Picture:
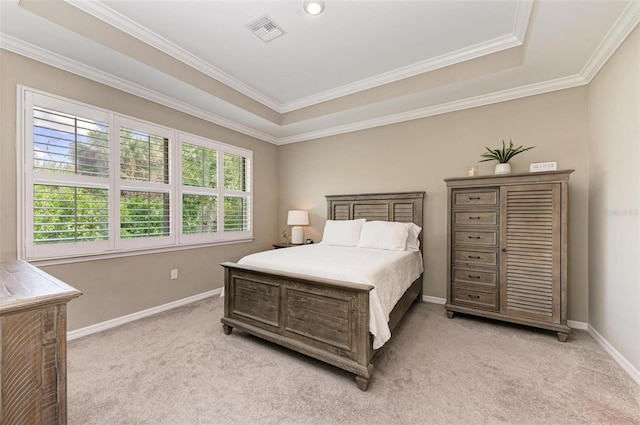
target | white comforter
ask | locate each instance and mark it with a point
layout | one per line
(390, 272)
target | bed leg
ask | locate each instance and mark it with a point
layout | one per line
(363, 383)
(227, 329)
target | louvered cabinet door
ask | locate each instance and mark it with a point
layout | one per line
(530, 261)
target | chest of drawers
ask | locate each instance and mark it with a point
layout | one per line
(474, 240)
(33, 331)
(507, 248)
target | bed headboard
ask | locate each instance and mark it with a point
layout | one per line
(405, 207)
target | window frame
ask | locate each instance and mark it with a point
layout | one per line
(114, 183)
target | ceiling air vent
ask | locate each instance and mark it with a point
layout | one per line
(265, 28)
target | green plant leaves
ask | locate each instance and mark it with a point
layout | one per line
(504, 154)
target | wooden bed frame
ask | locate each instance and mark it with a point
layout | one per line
(321, 318)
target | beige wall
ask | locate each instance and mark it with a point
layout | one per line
(116, 287)
(614, 200)
(419, 154)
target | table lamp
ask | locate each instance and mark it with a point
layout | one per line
(297, 218)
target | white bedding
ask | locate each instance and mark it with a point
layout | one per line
(390, 272)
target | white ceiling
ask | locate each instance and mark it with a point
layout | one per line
(360, 64)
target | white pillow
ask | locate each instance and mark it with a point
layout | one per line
(413, 243)
(384, 235)
(342, 232)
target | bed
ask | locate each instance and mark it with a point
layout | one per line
(325, 318)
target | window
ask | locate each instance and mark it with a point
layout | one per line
(209, 207)
(97, 183)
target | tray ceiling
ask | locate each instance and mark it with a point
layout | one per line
(358, 65)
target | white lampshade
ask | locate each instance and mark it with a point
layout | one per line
(297, 218)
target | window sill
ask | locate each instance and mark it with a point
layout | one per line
(132, 253)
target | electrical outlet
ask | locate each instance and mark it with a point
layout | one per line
(174, 273)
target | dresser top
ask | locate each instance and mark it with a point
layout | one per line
(515, 178)
(23, 286)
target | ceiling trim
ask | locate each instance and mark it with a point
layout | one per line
(115, 19)
(629, 19)
(620, 30)
(462, 55)
(616, 36)
(119, 21)
(521, 21)
(458, 105)
(49, 58)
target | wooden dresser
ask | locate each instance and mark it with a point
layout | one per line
(507, 248)
(33, 328)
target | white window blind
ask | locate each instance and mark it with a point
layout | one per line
(210, 209)
(66, 143)
(96, 182)
(69, 214)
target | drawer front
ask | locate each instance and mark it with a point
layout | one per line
(475, 258)
(473, 277)
(475, 218)
(464, 198)
(482, 238)
(484, 300)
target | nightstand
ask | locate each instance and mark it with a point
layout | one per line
(283, 245)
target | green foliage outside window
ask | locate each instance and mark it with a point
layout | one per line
(235, 175)
(199, 166)
(75, 145)
(143, 157)
(236, 214)
(69, 214)
(144, 214)
(199, 214)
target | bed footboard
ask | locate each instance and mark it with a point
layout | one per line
(321, 318)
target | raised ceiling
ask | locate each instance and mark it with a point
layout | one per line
(360, 64)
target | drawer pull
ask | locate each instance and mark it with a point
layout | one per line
(477, 297)
(474, 237)
(473, 277)
(474, 198)
(474, 218)
(474, 257)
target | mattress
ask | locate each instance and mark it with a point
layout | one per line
(389, 272)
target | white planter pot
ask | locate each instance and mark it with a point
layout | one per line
(503, 168)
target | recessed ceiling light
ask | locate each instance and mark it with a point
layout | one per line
(313, 7)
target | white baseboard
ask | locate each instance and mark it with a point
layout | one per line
(102, 326)
(619, 358)
(434, 300)
(573, 324)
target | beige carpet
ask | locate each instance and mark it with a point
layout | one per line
(179, 368)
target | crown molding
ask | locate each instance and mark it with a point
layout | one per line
(462, 55)
(58, 61)
(115, 19)
(36, 53)
(516, 38)
(618, 33)
(521, 21)
(614, 38)
(473, 102)
(104, 13)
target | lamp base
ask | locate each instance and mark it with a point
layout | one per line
(297, 235)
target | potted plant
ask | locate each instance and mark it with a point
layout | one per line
(503, 156)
